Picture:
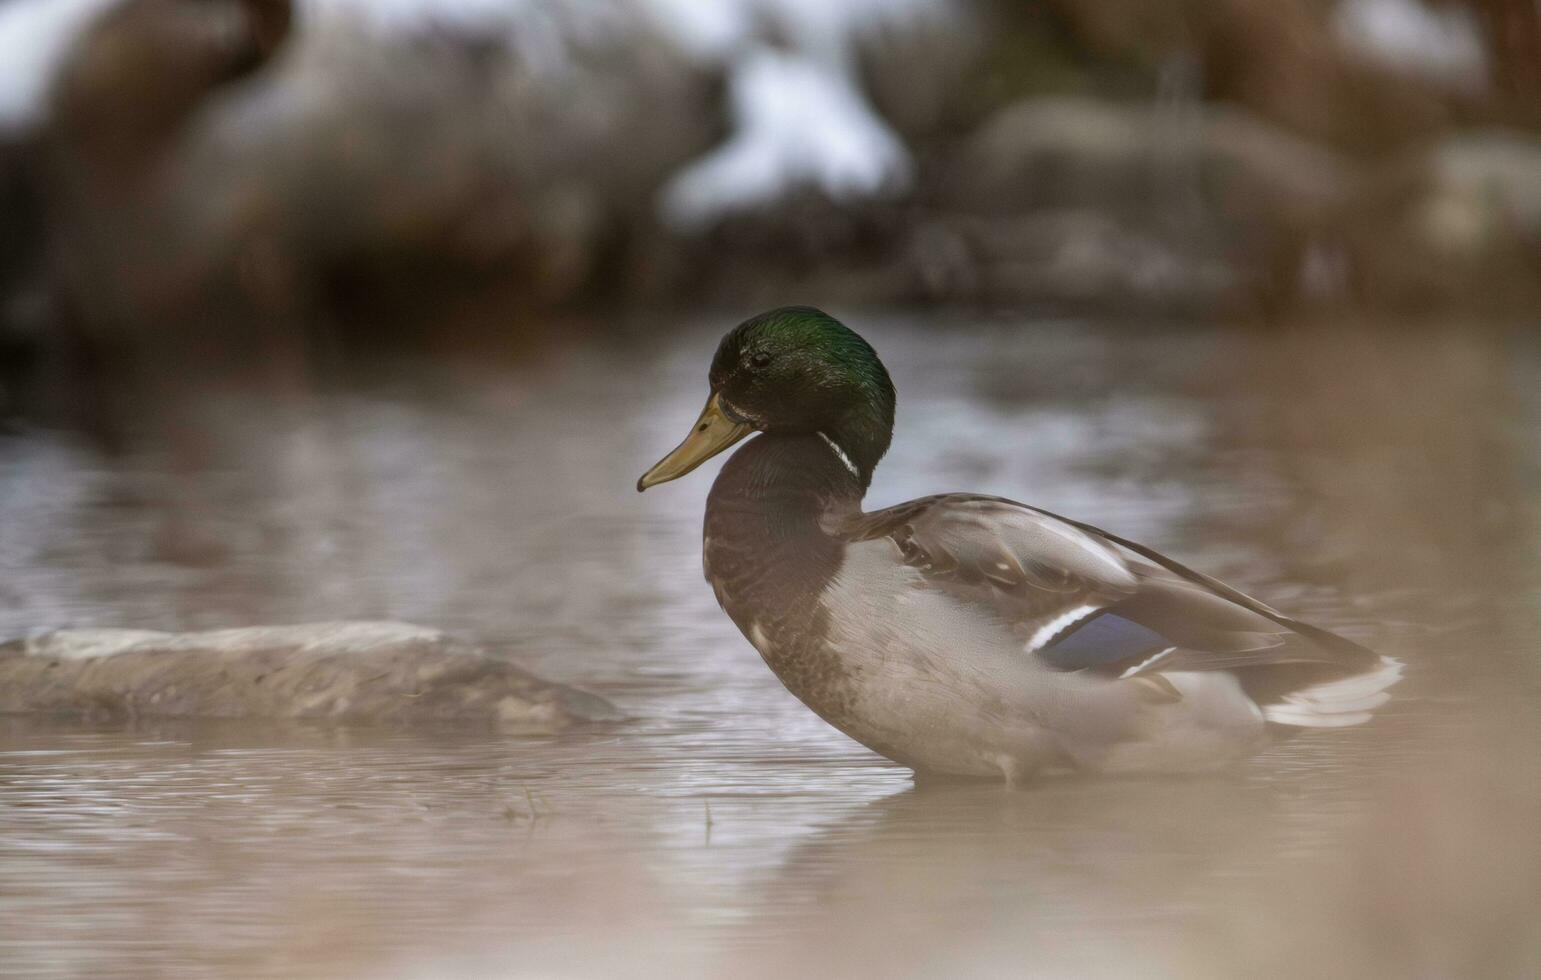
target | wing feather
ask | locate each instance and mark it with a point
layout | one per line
(1029, 570)
(1067, 589)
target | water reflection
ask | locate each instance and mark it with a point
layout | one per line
(1382, 481)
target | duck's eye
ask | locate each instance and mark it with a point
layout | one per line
(759, 360)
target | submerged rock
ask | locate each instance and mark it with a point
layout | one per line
(374, 672)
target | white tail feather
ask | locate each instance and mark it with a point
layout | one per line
(1339, 703)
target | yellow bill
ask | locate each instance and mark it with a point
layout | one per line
(713, 432)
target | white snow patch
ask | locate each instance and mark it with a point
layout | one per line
(33, 36)
(1443, 44)
(797, 122)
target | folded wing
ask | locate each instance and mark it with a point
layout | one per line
(1077, 603)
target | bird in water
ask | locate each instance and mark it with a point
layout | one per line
(966, 635)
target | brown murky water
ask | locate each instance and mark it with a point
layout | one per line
(1383, 481)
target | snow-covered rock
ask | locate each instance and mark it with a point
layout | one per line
(354, 672)
(798, 115)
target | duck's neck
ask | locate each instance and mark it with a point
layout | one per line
(767, 517)
(792, 477)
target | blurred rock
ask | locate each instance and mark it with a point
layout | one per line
(208, 180)
(1283, 60)
(1207, 207)
(1498, 176)
(923, 75)
(1458, 224)
(1512, 30)
(1074, 150)
(358, 672)
(1188, 205)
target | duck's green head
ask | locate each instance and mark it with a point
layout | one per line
(794, 370)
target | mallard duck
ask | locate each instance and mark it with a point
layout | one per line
(966, 635)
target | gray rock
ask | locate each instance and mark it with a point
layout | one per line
(362, 175)
(1069, 151)
(1484, 188)
(1169, 202)
(356, 672)
(1457, 225)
